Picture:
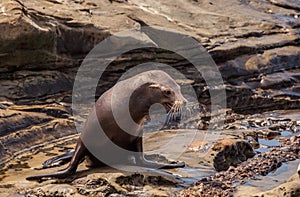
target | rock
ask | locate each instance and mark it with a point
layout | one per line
(94, 186)
(267, 133)
(107, 184)
(245, 134)
(125, 184)
(231, 152)
(55, 190)
(196, 146)
(58, 37)
(227, 152)
(291, 188)
(224, 183)
(23, 126)
(43, 42)
(32, 85)
(274, 60)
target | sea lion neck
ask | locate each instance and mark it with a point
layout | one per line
(139, 104)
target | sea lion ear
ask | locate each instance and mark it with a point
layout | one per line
(154, 85)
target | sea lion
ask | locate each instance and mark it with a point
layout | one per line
(137, 94)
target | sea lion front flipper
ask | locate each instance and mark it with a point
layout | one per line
(141, 161)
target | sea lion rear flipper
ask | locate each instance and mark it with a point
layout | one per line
(58, 160)
(60, 174)
(77, 158)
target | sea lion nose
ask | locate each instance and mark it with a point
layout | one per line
(182, 100)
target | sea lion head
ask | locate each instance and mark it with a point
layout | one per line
(166, 96)
(139, 92)
(172, 101)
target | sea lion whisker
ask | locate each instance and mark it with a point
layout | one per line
(175, 116)
(169, 115)
(190, 111)
(172, 114)
(170, 111)
(177, 106)
(175, 109)
(168, 105)
(169, 118)
(180, 111)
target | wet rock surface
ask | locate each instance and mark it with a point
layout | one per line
(254, 43)
(242, 166)
(224, 183)
(113, 185)
(43, 43)
(291, 188)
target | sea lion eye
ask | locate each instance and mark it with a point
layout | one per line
(168, 92)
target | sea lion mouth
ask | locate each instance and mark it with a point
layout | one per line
(174, 112)
(168, 106)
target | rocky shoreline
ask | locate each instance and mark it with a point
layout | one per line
(224, 183)
(255, 45)
(39, 58)
(245, 162)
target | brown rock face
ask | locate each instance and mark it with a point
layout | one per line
(254, 43)
(291, 187)
(24, 126)
(230, 152)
